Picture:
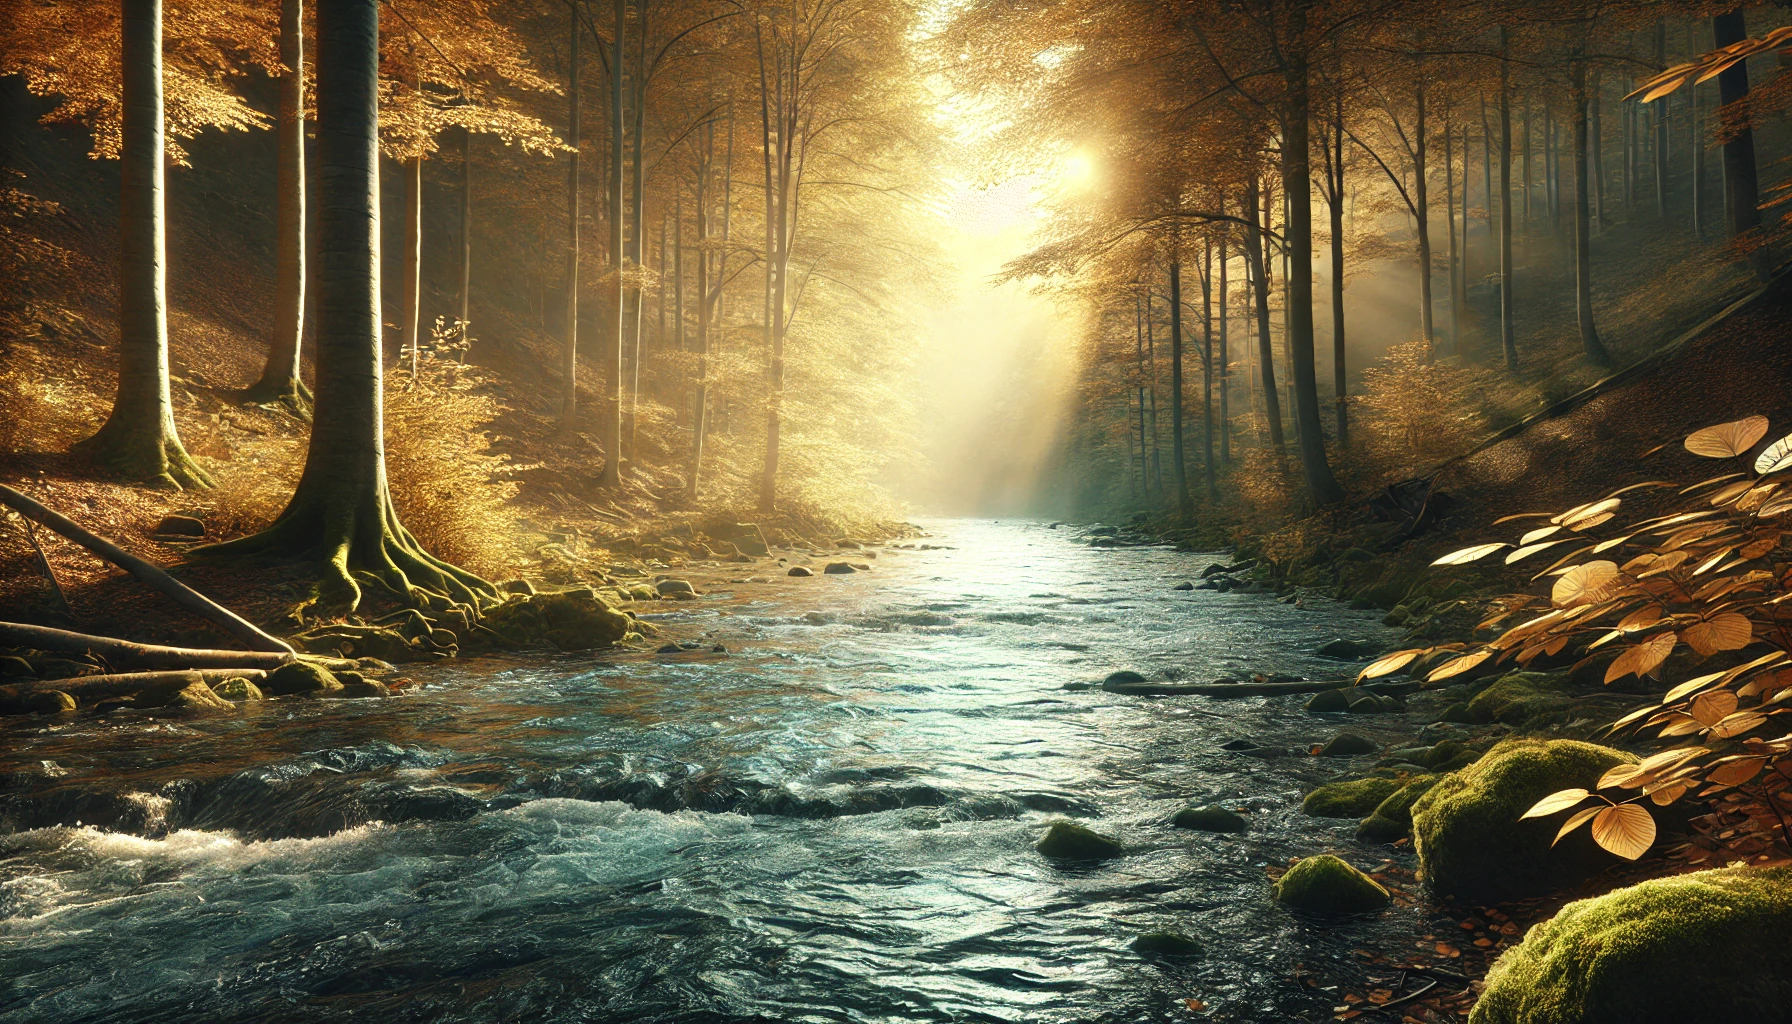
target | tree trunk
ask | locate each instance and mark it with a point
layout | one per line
(466, 232)
(1138, 332)
(1583, 229)
(1596, 139)
(138, 440)
(1213, 491)
(1422, 213)
(1487, 171)
(341, 515)
(1660, 111)
(1506, 335)
(280, 380)
(1455, 258)
(1253, 246)
(1225, 354)
(1183, 502)
(700, 393)
(1525, 150)
(569, 353)
(1740, 186)
(1297, 181)
(637, 217)
(611, 438)
(411, 279)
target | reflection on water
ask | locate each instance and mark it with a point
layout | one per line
(831, 822)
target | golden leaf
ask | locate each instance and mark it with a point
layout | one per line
(1713, 707)
(1775, 457)
(1737, 724)
(1727, 440)
(1642, 659)
(1729, 631)
(1735, 773)
(1647, 615)
(1521, 515)
(1756, 497)
(1457, 666)
(1703, 484)
(1467, 555)
(1575, 820)
(1691, 686)
(1668, 759)
(1668, 794)
(1622, 774)
(1538, 534)
(1560, 800)
(1530, 549)
(1757, 548)
(1582, 513)
(1778, 507)
(1626, 830)
(1606, 545)
(1388, 664)
(1680, 725)
(1583, 584)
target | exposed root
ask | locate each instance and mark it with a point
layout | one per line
(154, 459)
(289, 393)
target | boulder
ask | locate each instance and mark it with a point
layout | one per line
(838, 569)
(1066, 840)
(1170, 945)
(1184, 585)
(797, 570)
(44, 702)
(237, 689)
(1467, 830)
(1349, 744)
(1327, 701)
(180, 526)
(1351, 799)
(1705, 946)
(745, 536)
(1367, 704)
(1123, 677)
(1349, 650)
(1210, 819)
(1328, 885)
(1457, 712)
(362, 689)
(300, 677)
(573, 620)
(1392, 818)
(665, 587)
(189, 691)
(1517, 697)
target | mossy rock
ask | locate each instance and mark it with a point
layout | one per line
(188, 691)
(1377, 829)
(1349, 744)
(1066, 840)
(1467, 830)
(1210, 819)
(1170, 945)
(1704, 947)
(1397, 616)
(1326, 701)
(1351, 799)
(1327, 884)
(642, 592)
(1392, 818)
(1368, 704)
(45, 702)
(1518, 697)
(300, 677)
(1443, 752)
(572, 620)
(237, 689)
(1457, 712)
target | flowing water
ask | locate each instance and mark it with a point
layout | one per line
(831, 821)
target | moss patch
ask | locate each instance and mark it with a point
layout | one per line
(574, 620)
(1698, 947)
(1210, 819)
(1519, 697)
(1466, 830)
(1325, 883)
(1066, 840)
(1351, 799)
(1392, 818)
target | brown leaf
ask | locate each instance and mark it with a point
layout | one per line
(1388, 664)
(1626, 830)
(1642, 659)
(1737, 724)
(1735, 773)
(1560, 800)
(1713, 707)
(1575, 820)
(1471, 554)
(1583, 584)
(1729, 631)
(1727, 440)
(1457, 666)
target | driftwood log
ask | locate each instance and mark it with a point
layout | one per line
(1253, 689)
(183, 595)
(120, 654)
(119, 684)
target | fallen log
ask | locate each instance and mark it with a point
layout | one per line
(121, 654)
(1253, 689)
(85, 688)
(183, 595)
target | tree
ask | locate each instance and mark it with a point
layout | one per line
(341, 514)
(139, 439)
(280, 381)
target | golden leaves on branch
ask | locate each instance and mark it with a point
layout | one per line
(1627, 830)
(1584, 584)
(1728, 631)
(1727, 440)
(1775, 457)
(1467, 555)
(1388, 664)
(1643, 658)
(1560, 800)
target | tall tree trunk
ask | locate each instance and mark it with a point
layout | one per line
(1525, 150)
(1455, 258)
(466, 231)
(774, 266)
(1297, 181)
(1157, 457)
(1583, 229)
(1422, 213)
(1213, 491)
(611, 434)
(1138, 333)
(1660, 111)
(1740, 187)
(341, 515)
(1596, 139)
(1266, 353)
(1506, 334)
(411, 278)
(1225, 354)
(1698, 162)
(138, 440)
(1487, 172)
(638, 218)
(1183, 502)
(569, 352)
(700, 394)
(678, 271)
(280, 380)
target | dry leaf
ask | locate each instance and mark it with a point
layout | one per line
(1735, 773)
(1619, 775)
(1388, 664)
(1560, 800)
(1775, 457)
(1575, 820)
(1729, 631)
(1467, 555)
(1538, 534)
(1583, 584)
(1626, 830)
(1737, 724)
(1727, 440)
(1457, 666)
(1530, 549)
(1643, 658)
(1713, 707)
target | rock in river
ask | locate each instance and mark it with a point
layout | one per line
(1349, 744)
(1066, 840)
(838, 569)
(1210, 819)
(300, 677)
(1349, 650)
(1349, 799)
(1327, 884)
(797, 570)
(1326, 701)
(1124, 676)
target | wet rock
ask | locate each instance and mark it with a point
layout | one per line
(1392, 818)
(575, 620)
(363, 689)
(1210, 819)
(1066, 840)
(1169, 945)
(1349, 744)
(1351, 799)
(1367, 704)
(719, 649)
(1705, 946)
(642, 592)
(41, 702)
(1517, 697)
(1328, 885)
(237, 689)
(518, 587)
(1184, 585)
(189, 692)
(1396, 616)
(1122, 677)
(180, 526)
(1349, 650)
(797, 570)
(838, 569)
(1391, 704)
(1327, 701)
(1457, 712)
(106, 707)
(666, 587)
(300, 677)
(1467, 830)
(1239, 744)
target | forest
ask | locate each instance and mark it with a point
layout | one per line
(895, 510)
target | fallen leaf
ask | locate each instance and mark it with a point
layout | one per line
(1727, 440)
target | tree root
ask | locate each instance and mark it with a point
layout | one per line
(291, 394)
(150, 457)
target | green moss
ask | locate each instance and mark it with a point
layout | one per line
(1351, 799)
(237, 688)
(1443, 752)
(1457, 712)
(1398, 806)
(300, 677)
(1692, 948)
(1518, 697)
(1325, 883)
(1466, 830)
(1377, 829)
(575, 620)
(1066, 840)
(1210, 819)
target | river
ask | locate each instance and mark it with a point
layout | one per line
(832, 820)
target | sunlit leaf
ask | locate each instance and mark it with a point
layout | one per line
(1641, 659)
(1755, 549)
(1618, 775)
(1713, 707)
(1707, 483)
(1388, 664)
(1737, 724)
(1755, 497)
(1647, 615)
(1557, 801)
(1668, 794)
(1583, 584)
(1626, 830)
(1521, 515)
(1457, 666)
(1467, 555)
(1735, 773)
(1575, 820)
(1528, 550)
(1775, 457)
(1730, 492)
(1538, 534)
(1581, 513)
(1727, 440)
(1638, 487)
(1606, 545)
(1726, 632)
(1679, 725)
(1563, 561)
(1691, 686)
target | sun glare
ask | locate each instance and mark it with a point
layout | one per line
(1077, 170)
